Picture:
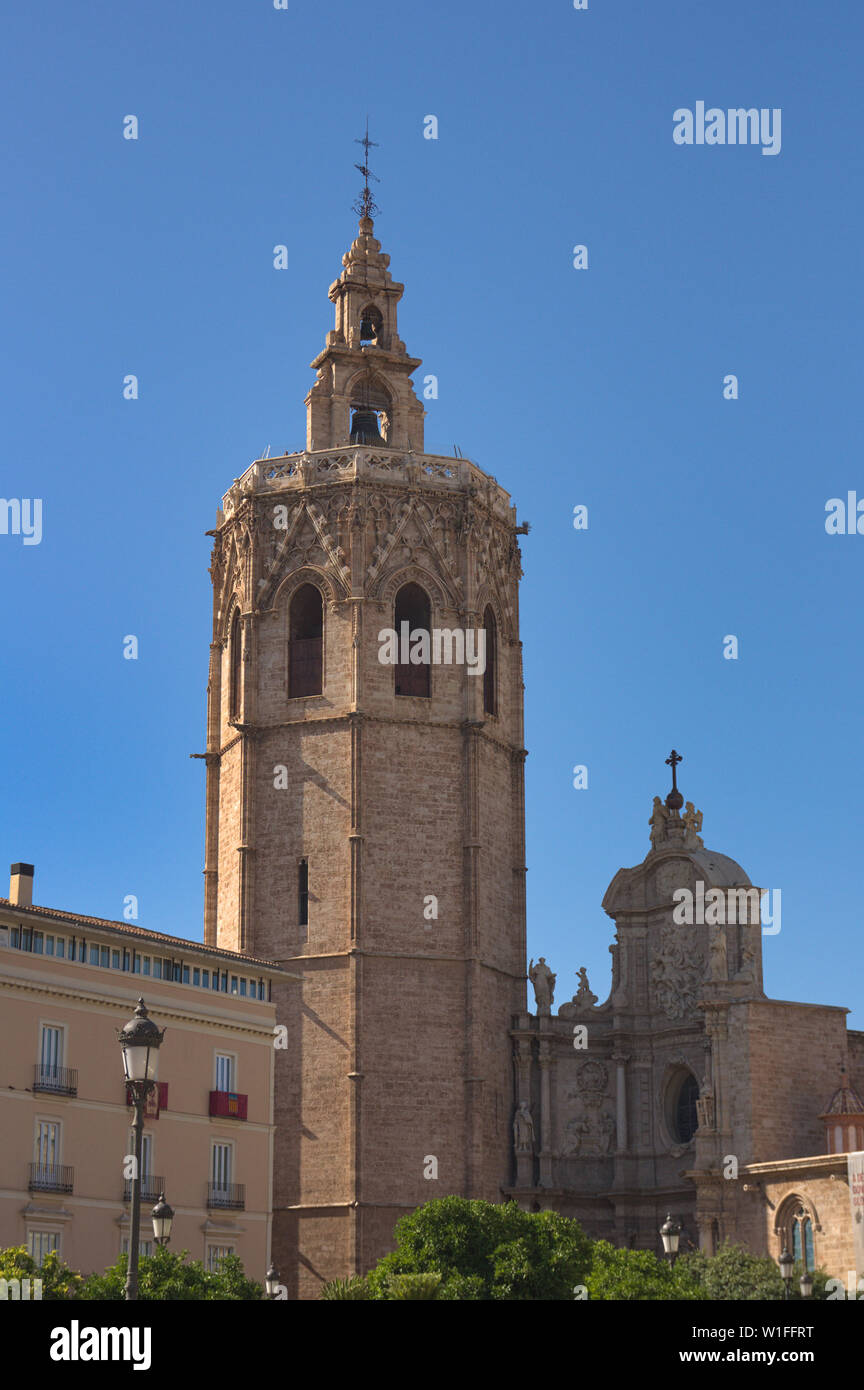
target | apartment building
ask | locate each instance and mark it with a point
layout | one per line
(67, 984)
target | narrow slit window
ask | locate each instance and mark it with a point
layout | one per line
(490, 702)
(236, 657)
(303, 893)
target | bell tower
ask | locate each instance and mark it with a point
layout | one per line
(365, 816)
(364, 373)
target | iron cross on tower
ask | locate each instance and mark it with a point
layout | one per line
(365, 205)
(674, 800)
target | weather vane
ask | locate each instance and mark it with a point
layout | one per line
(365, 206)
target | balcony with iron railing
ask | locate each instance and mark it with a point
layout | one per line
(228, 1105)
(58, 1081)
(226, 1196)
(151, 1188)
(51, 1177)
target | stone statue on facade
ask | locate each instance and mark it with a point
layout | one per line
(523, 1129)
(583, 1000)
(748, 957)
(607, 1133)
(692, 825)
(659, 817)
(717, 948)
(543, 981)
(577, 1128)
(705, 1105)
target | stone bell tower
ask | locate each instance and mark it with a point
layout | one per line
(365, 820)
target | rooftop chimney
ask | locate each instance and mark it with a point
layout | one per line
(21, 885)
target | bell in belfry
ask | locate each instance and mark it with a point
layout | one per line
(364, 427)
(368, 330)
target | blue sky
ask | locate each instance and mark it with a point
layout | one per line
(602, 387)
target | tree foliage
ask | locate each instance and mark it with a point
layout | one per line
(336, 1290)
(638, 1276)
(58, 1280)
(414, 1287)
(484, 1250)
(733, 1273)
(171, 1275)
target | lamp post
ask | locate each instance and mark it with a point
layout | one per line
(140, 1041)
(806, 1284)
(163, 1215)
(787, 1268)
(670, 1232)
(272, 1280)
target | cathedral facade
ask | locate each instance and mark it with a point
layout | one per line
(365, 830)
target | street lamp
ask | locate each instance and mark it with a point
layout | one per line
(163, 1215)
(787, 1268)
(140, 1041)
(806, 1284)
(272, 1281)
(671, 1234)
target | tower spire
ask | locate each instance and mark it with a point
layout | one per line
(365, 205)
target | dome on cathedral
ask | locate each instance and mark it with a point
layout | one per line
(719, 870)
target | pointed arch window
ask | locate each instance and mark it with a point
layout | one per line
(235, 656)
(305, 643)
(371, 410)
(414, 609)
(797, 1231)
(490, 690)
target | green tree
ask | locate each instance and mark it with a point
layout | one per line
(58, 1280)
(338, 1289)
(486, 1250)
(733, 1273)
(638, 1276)
(169, 1275)
(414, 1287)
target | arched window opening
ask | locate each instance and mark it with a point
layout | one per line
(684, 1120)
(235, 657)
(371, 324)
(370, 412)
(366, 426)
(490, 702)
(305, 643)
(799, 1238)
(413, 616)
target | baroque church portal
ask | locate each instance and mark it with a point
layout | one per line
(365, 829)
